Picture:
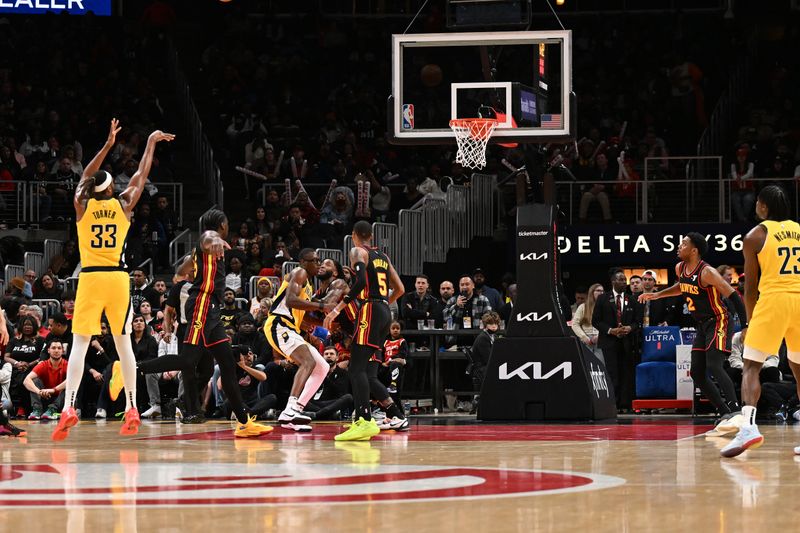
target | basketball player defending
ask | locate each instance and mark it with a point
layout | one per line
(703, 288)
(103, 221)
(282, 330)
(205, 333)
(375, 275)
(772, 298)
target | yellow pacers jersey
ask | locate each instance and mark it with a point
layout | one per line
(101, 234)
(779, 259)
(291, 317)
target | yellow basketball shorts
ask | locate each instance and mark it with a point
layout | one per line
(774, 319)
(103, 292)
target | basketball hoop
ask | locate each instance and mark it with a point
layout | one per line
(472, 135)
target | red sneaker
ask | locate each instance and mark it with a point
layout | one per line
(130, 426)
(69, 418)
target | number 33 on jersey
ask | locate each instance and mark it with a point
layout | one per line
(101, 234)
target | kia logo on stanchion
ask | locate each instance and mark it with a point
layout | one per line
(599, 382)
(536, 373)
(534, 317)
(533, 256)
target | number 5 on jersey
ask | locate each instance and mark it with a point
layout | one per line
(383, 287)
(382, 284)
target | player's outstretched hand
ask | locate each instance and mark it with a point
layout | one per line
(158, 136)
(329, 318)
(645, 296)
(218, 247)
(112, 132)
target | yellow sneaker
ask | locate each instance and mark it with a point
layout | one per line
(251, 429)
(116, 383)
(360, 430)
(360, 452)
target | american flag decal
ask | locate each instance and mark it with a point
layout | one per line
(551, 121)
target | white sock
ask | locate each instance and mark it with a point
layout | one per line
(749, 414)
(128, 363)
(314, 381)
(75, 365)
(292, 402)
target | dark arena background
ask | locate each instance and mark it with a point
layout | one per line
(533, 172)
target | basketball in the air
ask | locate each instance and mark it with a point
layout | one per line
(431, 75)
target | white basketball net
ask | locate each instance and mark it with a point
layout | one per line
(472, 135)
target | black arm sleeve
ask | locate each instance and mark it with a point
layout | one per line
(360, 283)
(736, 303)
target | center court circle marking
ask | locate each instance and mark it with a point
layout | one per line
(169, 485)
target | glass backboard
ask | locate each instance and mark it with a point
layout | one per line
(521, 78)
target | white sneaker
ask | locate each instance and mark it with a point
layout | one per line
(153, 412)
(797, 450)
(726, 426)
(291, 415)
(101, 413)
(378, 415)
(178, 413)
(796, 415)
(748, 438)
(397, 424)
(300, 428)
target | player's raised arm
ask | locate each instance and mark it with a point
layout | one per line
(674, 290)
(212, 243)
(131, 195)
(298, 279)
(86, 185)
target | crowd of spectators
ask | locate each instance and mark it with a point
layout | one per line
(767, 144)
(54, 113)
(296, 130)
(39, 319)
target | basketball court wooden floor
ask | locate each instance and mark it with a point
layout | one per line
(631, 476)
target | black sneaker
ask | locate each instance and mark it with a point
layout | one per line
(193, 419)
(10, 430)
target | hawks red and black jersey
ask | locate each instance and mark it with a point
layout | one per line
(209, 277)
(703, 302)
(377, 277)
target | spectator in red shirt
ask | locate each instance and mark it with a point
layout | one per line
(395, 356)
(47, 382)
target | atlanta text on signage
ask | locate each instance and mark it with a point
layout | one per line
(618, 244)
